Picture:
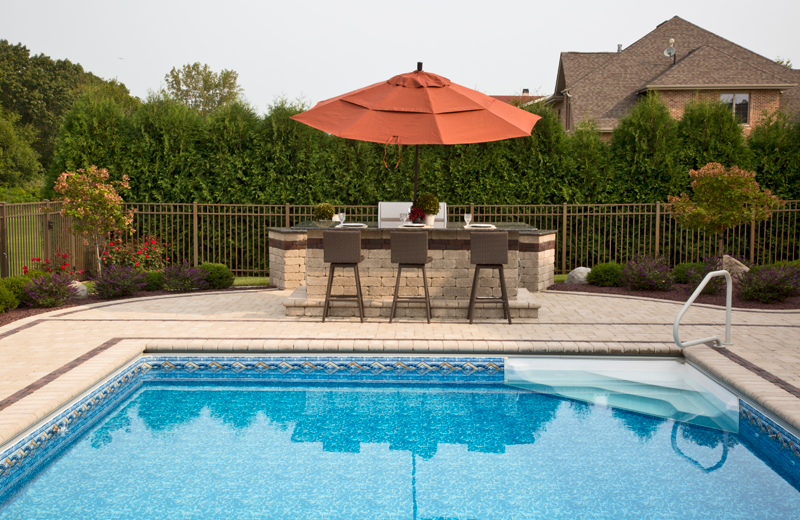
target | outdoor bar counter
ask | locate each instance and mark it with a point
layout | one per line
(296, 262)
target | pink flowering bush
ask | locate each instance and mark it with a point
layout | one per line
(97, 210)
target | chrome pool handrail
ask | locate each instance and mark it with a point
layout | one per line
(695, 294)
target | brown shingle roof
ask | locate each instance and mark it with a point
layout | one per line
(710, 66)
(608, 89)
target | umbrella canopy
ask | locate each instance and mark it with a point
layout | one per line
(418, 108)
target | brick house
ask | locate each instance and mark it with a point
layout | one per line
(604, 86)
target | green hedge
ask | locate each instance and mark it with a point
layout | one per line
(236, 156)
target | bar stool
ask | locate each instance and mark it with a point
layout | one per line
(410, 251)
(342, 249)
(489, 250)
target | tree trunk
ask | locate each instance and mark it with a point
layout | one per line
(97, 255)
(721, 249)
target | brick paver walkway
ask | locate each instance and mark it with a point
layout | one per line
(47, 360)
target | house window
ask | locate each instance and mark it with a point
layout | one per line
(739, 104)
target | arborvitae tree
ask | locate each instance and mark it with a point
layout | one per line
(775, 148)
(591, 179)
(710, 132)
(646, 153)
(94, 132)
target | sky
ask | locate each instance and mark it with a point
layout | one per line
(314, 50)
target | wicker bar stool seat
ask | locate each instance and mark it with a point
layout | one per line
(489, 250)
(410, 251)
(342, 249)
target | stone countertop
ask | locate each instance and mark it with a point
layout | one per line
(522, 228)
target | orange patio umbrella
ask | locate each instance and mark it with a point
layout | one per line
(418, 108)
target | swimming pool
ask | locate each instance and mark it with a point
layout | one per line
(235, 438)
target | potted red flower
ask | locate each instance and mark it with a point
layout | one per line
(416, 215)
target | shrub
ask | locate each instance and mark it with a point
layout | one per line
(218, 276)
(182, 277)
(679, 273)
(697, 273)
(155, 281)
(16, 284)
(8, 300)
(146, 253)
(428, 203)
(116, 282)
(770, 283)
(647, 273)
(323, 211)
(49, 290)
(606, 275)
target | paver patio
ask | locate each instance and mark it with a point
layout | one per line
(49, 359)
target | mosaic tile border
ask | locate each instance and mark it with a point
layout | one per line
(359, 368)
(27, 454)
(782, 439)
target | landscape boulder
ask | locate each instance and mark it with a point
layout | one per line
(733, 266)
(578, 276)
(82, 290)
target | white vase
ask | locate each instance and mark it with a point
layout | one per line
(429, 219)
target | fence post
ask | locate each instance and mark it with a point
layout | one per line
(752, 242)
(3, 242)
(194, 234)
(564, 240)
(658, 226)
(48, 239)
(287, 215)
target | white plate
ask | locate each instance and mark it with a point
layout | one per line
(487, 226)
(354, 224)
(412, 225)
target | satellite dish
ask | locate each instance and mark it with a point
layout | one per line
(669, 52)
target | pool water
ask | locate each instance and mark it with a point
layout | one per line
(233, 450)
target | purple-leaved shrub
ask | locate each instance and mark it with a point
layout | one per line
(49, 290)
(647, 273)
(771, 283)
(117, 281)
(183, 277)
(696, 273)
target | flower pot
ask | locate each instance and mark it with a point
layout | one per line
(429, 219)
(327, 223)
(417, 220)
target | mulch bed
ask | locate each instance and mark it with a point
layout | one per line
(26, 312)
(681, 293)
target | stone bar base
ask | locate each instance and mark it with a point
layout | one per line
(298, 304)
(536, 261)
(287, 259)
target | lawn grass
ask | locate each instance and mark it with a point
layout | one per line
(560, 278)
(240, 281)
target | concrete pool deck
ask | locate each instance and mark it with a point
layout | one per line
(49, 359)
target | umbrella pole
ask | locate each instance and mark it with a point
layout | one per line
(416, 173)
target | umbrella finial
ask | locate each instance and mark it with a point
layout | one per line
(419, 66)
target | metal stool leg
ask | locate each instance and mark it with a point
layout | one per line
(358, 294)
(474, 292)
(427, 296)
(396, 292)
(328, 293)
(506, 307)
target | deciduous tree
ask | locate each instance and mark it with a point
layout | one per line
(97, 210)
(723, 198)
(199, 87)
